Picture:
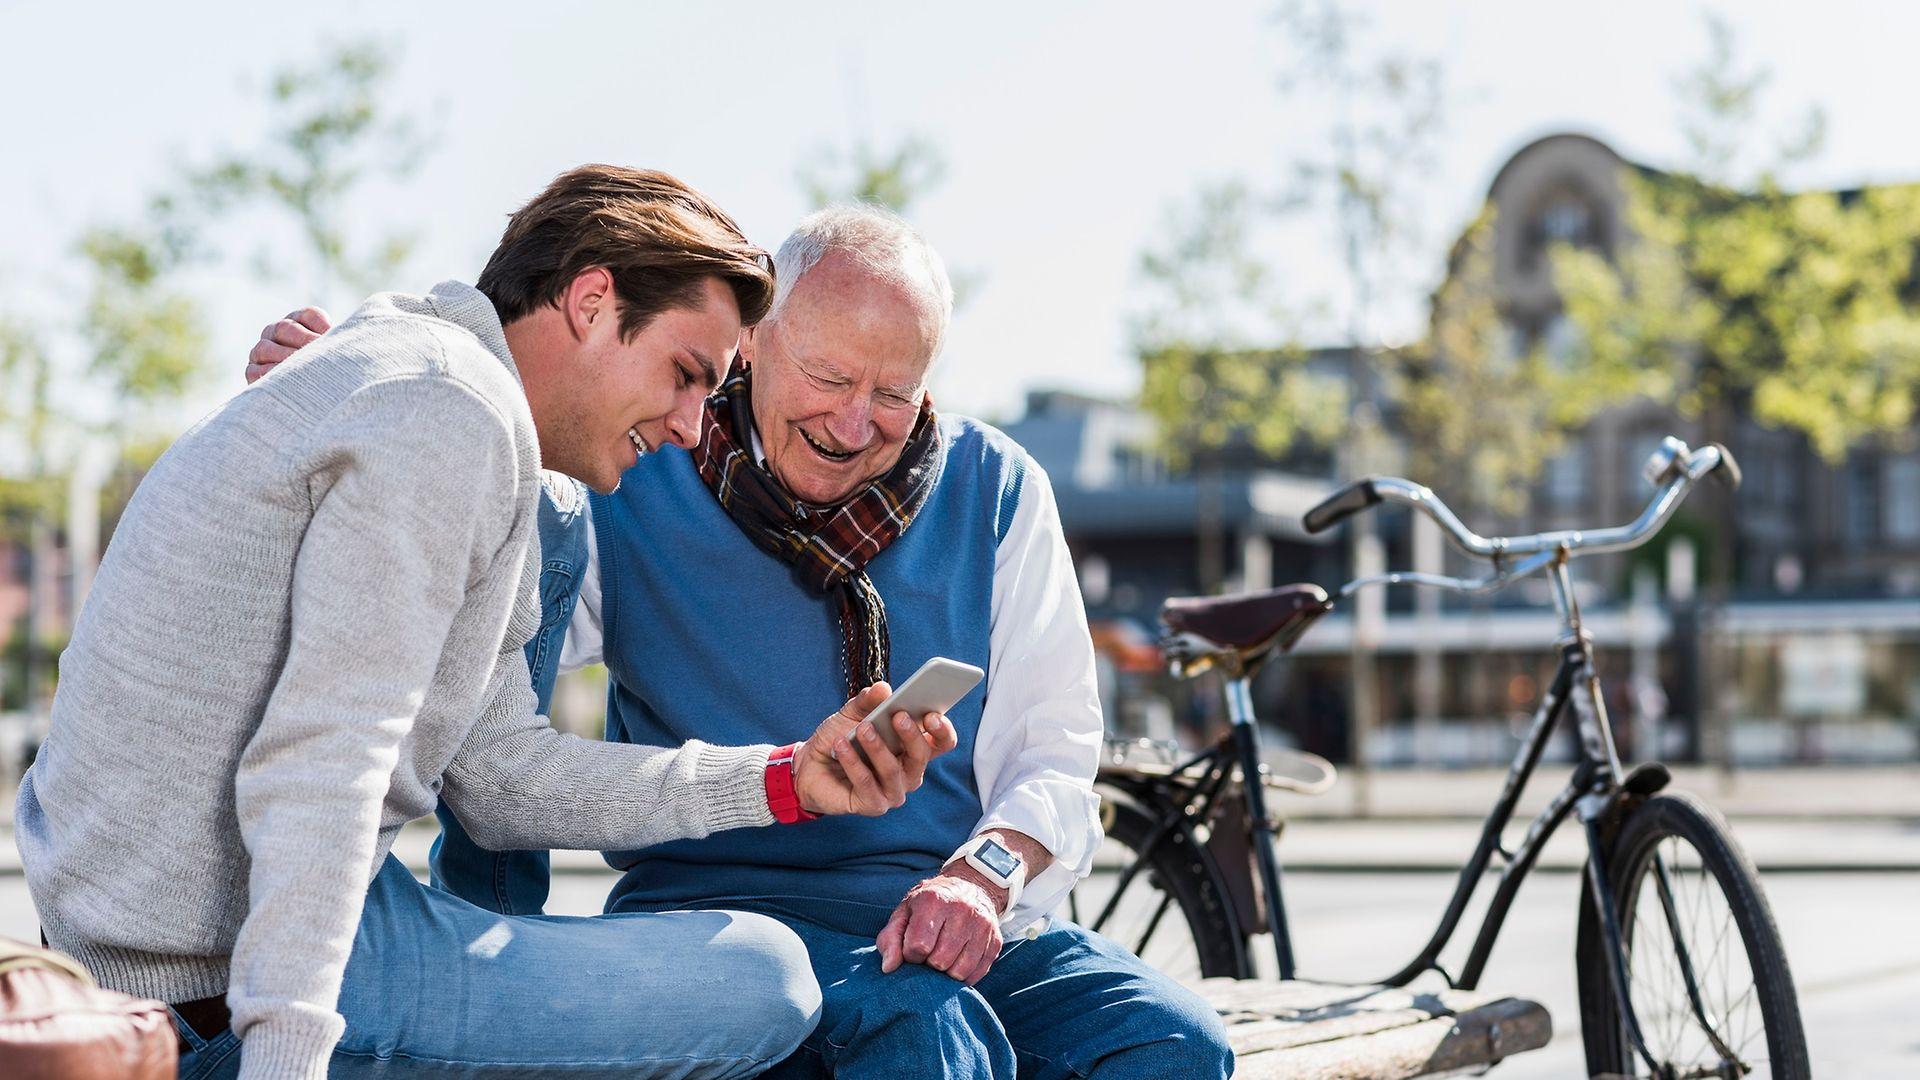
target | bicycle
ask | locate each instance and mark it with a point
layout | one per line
(1651, 977)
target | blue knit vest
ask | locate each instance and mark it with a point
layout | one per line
(708, 637)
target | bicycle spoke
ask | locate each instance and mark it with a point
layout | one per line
(1138, 903)
(1153, 924)
(1684, 958)
(1696, 998)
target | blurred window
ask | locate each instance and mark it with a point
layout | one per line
(1565, 217)
(1901, 483)
(1639, 448)
(1567, 220)
(1567, 478)
(1786, 480)
(1860, 522)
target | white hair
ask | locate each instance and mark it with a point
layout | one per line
(882, 243)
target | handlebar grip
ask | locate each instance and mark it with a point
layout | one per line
(1728, 471)
(1348, 501)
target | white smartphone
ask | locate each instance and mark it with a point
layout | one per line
(936, 687)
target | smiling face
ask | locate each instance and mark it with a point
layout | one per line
(838, 375)
(615, 400)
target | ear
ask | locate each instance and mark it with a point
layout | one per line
(749, 344)
(589, 303)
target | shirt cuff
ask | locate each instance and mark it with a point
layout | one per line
(1038, 900)
(1064, 817)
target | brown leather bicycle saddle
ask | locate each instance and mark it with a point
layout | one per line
(1245, 622)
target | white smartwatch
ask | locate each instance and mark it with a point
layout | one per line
(998, 865)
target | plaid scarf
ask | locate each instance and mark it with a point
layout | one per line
(828, 547)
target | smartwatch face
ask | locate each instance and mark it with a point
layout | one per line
(998, 859)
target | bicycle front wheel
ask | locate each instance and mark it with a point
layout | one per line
(1706, 971)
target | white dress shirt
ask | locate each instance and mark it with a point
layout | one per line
(1038, 744)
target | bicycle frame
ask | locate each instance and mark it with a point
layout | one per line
(1595, 792)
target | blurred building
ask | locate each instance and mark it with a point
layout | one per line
(1818, 645)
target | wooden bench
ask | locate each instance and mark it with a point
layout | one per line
(1323, 1031)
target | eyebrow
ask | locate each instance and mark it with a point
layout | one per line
(709, 375)
(823, 367)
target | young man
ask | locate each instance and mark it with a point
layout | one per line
(307, 604)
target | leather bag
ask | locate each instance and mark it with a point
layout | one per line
(55, 1022)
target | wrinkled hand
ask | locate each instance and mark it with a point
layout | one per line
(831, 777)
(949, 922)
(282, 339)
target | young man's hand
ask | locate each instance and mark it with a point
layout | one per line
(282, 339)
(831, 777)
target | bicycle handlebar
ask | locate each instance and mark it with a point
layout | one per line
(1673, 469)
(1342, 505)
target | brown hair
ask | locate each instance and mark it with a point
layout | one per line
(658, 237)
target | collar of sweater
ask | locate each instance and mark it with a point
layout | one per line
(469, 309)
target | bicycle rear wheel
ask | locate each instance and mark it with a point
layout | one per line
(1172, 913)
(1700, 942)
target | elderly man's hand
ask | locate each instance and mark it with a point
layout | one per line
(831, 777)
(949, 922)
(284, 338)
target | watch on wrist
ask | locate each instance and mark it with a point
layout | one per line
(782, 797)
(997, 864)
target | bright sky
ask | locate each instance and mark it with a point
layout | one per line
(1067, 128)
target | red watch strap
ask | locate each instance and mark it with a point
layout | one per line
(782, 798)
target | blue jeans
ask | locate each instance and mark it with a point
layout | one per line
(1066, 1004)
(437, 987)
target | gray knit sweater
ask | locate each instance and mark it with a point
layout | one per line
(308, 626)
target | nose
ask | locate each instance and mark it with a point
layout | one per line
(683, 424)
(851, 424)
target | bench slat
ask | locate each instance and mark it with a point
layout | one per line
(1323, 1031)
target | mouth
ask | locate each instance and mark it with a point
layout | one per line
(830, 455)
(640, 447)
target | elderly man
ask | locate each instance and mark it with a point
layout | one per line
(829, 529)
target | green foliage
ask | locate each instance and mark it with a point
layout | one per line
(26, 417)
(1204, 398)
(895, 178)
(147, 339)
(330, 135)
(1219, 347)
(1720, 106)
(1798, 307)
(1735, 294)
(1210, 372)
(1386, 112)
(1482, 417)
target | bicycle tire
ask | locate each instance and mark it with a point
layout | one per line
(1660, 994)
(1180, 869)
